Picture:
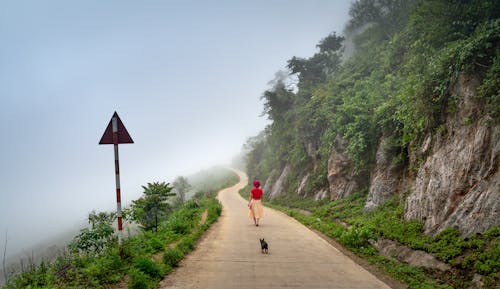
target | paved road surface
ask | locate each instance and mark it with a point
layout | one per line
(229, 257)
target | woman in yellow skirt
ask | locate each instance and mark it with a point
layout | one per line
(255, 203)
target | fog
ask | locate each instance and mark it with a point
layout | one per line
(184, 76)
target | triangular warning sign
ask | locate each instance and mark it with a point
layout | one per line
(123, 136)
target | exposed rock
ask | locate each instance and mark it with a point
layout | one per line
(278, 186)
(304, 212)
(301, 190)
(477, 282)
(321, 195)
(385, 178)
(268, 186)
(341, 176)
(459, 183)
(418, 258)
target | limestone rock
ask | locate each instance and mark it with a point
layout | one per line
(392, 249)
(278, 188)
(301, 191)
(384, 180)
(341, 177)
(268, 186)
(321, 195)
(458, 184)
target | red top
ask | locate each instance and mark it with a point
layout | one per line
(256, 193)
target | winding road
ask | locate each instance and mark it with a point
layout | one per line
(229, 255)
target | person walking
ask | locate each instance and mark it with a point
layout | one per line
(256, 210)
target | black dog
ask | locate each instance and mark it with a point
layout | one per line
(263, 246)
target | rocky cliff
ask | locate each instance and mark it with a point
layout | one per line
(458, 184)
(456, 179)
(385, 179)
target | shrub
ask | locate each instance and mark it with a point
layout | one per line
(172, 257)
(106, 269)
(148, 267)
(138, 280)
(156, 244)
(356, 237)
(447, 244)
(179, 226)
(187, 244)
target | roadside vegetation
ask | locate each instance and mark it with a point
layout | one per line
(344, 221)
(169, 231)
(388, 76)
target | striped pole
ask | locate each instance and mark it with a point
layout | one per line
(115, 134)
(117, 177)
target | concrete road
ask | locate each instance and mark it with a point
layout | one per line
(229, 256)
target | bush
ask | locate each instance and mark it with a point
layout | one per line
(172, 257)
(355, 237)
(106, 269)
(448, 244)
(187, 244)
(179, 226)
(148, 267)
(156, 244)
(138, 280)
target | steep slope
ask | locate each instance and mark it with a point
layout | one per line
(414, 113)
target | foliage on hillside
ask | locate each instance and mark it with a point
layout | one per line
(93, 259)
(396, 83)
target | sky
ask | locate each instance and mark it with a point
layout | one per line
(185, 77)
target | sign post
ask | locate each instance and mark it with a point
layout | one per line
(115, 134)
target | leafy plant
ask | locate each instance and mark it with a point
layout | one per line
(98, 237)
(172, 257)
(148, 266)
(139, 280)
(152, 206)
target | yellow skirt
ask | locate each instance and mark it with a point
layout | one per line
(256, 210)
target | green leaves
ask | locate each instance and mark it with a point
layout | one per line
(152, 206)
(98, 237)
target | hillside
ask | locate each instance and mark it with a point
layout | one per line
(408, 121)
(157, 237)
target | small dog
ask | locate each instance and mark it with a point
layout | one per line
(263, 246)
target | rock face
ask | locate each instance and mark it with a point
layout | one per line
(341, 177)
(459, 182)
(418, 258)
(384, 180)
(278, 188)
(321, 195)
(268, 186)
(301, 191)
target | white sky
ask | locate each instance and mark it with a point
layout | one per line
(184, 76)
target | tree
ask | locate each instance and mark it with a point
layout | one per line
(96, 238)
(153, 205)
(316, 69)
(278, 101)
(386, 15)
(181, 187)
